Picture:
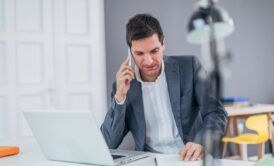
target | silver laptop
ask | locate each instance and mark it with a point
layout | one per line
(74, 136)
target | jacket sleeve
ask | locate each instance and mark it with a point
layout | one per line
(114, 127)
(213, 113)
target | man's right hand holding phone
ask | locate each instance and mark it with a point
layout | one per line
(123, 78)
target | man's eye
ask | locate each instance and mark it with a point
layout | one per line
(139, 54)
(154, 51)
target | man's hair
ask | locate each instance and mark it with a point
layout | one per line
(142, 26)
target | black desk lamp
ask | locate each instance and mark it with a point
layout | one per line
(207, 18)
(208, 26)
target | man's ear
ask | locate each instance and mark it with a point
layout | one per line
(164, 46)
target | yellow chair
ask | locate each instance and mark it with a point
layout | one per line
(258, 123)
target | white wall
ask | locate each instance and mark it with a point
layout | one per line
(52, 55)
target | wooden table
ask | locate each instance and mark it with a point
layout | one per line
(235, 114)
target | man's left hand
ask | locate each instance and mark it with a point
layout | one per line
(192, 152)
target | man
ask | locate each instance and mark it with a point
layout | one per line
(160, 100)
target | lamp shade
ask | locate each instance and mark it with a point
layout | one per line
(199, 26)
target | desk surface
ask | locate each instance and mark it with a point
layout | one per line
(257, 109)
(31, 155)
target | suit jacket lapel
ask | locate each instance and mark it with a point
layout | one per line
(138, 107)
(173, 84)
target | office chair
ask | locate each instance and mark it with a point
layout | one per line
(258, 123)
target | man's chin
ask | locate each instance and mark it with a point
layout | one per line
(151, 73)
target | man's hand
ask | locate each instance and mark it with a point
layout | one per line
(192, 152)
(123, 78)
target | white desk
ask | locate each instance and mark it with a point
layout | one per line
(31, 155)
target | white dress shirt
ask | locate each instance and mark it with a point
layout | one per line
(161, 131)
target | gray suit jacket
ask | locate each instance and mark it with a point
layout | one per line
(186, 96)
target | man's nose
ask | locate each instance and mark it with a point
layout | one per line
(148, 60)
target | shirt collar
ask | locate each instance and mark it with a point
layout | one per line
(138, 76)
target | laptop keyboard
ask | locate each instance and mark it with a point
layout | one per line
(114, 156)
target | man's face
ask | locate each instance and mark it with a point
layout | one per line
(148, 55)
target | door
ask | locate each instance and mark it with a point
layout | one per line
(51, 56)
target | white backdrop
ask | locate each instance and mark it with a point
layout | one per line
(52, 55)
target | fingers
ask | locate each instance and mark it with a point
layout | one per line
(123, 72)
(192, 152)
(124, 76)
(196, 153)
(127, 71)
(126, 61)
(183, 152)
(201, 156)
(124, 66)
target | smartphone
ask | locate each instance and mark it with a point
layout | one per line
(130, 58)
(131, 61)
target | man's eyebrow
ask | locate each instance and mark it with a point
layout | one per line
(155, 48)
(137, 51)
